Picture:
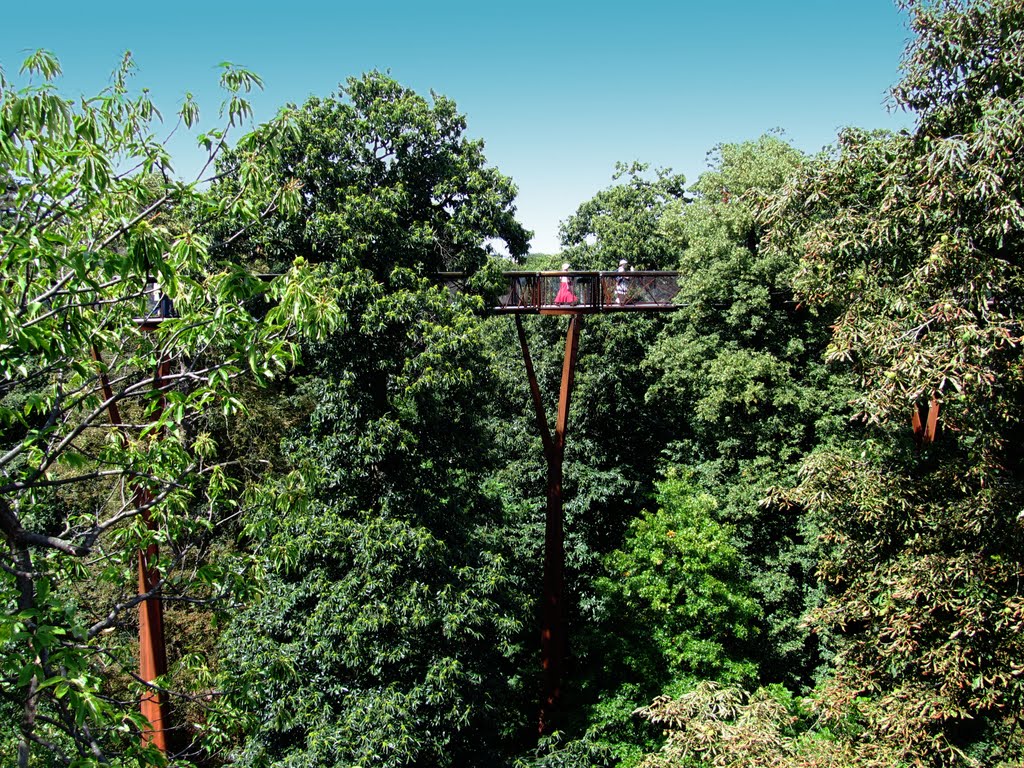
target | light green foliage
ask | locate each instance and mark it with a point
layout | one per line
(739, 376)
(712, 722)
(554, 751)
(916, 238)
(624, 221)
(678, 577)
(725, 725)
(89, 216)
(676, 610)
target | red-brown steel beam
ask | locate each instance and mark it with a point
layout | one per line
(925, 422)
(554, 626)
(572, 346)
(538, 403)
(152, 642)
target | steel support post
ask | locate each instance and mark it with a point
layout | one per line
(152, 644)
(554, 631)
(925, 422)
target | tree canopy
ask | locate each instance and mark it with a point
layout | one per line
(100, 397)
(389, 638)
(915, 237)
(793, 504)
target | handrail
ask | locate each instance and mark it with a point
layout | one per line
(556, 292)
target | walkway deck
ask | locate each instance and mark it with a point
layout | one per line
(591, 292)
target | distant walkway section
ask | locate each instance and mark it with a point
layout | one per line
(569, 293)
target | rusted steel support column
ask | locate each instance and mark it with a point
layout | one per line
(925, 422)
(572, 346)
(554, 625)
(538, 403)
(554, 631)
(152, 644)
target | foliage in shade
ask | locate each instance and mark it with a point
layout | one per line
(386, 594)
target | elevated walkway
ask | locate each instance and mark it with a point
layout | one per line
(580, 292)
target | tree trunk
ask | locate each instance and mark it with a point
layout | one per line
(26, 602)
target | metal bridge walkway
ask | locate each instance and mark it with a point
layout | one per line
(579, 292)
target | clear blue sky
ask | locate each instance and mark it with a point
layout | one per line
(559, 91)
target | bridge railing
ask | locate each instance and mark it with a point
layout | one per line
(581, 291)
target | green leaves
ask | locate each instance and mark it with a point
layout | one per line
(189, 111)
(121, 332)
(626, 221)
(679, 571)
(908, 243)
(375, 639)
(237, 79)
(382, 177)
(42, 62)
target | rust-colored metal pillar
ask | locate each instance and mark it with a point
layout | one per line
(152, 644)
(925, 422)
(554, 645)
